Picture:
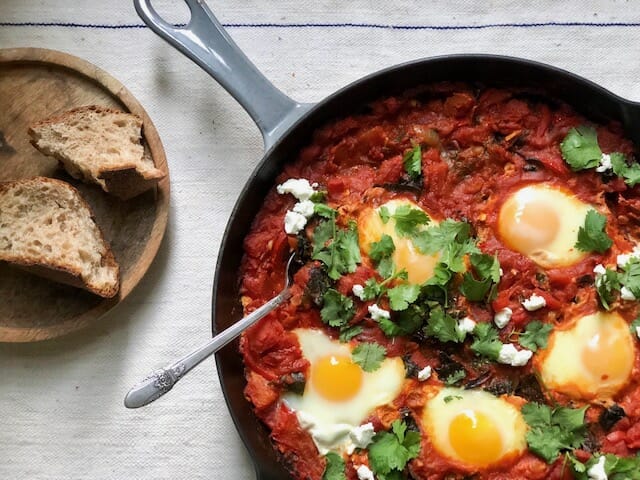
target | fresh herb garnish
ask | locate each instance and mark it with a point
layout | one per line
(369, 356)
(487, 341)
(487, 275)
(337, 248)
(451, 398)
(535, 335)
(616, 468)
(630, 173)
(408, 220)
(455, 377)
(443, 326)
(580, 148)
(412, 162)
(384, 248)
(337, 309)
(335, 467)
(607, 284)
(348, 333)
(402, 295)
(391, 451)
(592, 237)
(553, 430)
(630, 276)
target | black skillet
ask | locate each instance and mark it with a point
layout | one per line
(287, 125)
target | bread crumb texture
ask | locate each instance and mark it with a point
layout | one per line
(45, 222)
(91, 140)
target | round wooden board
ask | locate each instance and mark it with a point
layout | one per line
(36, 84)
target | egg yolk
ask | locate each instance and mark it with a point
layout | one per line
(419, 267)
(475, 439)
(528, 224)
(336, 378)
(606, 355)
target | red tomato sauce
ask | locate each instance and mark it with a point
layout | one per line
(477, 148)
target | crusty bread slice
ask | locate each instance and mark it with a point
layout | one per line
(99, 145)
(46, 227)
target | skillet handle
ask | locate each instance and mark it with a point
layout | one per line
(205, 41)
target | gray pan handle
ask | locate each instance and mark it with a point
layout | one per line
(205, 41)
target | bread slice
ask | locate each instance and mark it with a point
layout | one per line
(99, 145)
(47, 228)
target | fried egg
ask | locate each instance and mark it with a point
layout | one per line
(419, 267)
(592, 359)
(474, 428)
(338, 394)
(542, 222)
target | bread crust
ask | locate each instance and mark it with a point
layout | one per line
(124, 181)
(58, 271)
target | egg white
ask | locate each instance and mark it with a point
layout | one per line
(450, 403)
(330, 423)
(560, 213)
(601, 339)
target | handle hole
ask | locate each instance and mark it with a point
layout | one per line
(175, 13)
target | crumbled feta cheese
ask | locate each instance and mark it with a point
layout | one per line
(624, 258)
(502, 317)
(298, 187)
(364, 473)
(362, 435)
(626, 294)
(358, 291)
(378, 313)
(534, 302)
(294, 222)
(597, 471)
(305, 207)
(638, 332)
(599, 269)
(509, 355)
(501, 272)
(605, 163)
(466, 325)
(424, 374)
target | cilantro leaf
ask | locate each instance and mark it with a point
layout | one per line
(382, 249)
(386, 267)
(437, 237)
(580, 148)
(474, 290)
(348, 333)
(606, 286)
(324, 211)
(337, 248)
(402, 295)
(552, 431)
(372, 289)
(412, 162)
(408, 219)
(443, 326)
(369, 356)
(630, 173)
(337, 309)
(406, 322)
(487, 269)
(384, 213)
(535, 335)
(618, 468)
(487, 342)
(391, 451)
(455, 377)
(335, 467)
(592, 237)
(630, 276)
(635, 324)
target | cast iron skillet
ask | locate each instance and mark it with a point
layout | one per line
(287, 126)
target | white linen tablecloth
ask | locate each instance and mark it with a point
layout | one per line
(61, 411)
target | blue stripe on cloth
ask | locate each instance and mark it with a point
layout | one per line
(480, 26)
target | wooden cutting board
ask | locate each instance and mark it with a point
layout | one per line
(36, 84)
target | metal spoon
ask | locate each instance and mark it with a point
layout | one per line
(161, 381)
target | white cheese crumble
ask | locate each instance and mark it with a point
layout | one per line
(298, 187)
(305, 207)
(624, 258)
(597, 471)
(425, 373)
(509, 355)
(534, 302)
(626, 294)
(599, 269)
(378, 313)
(294, 222)
(364, 473)
(638, 332)
(502, 317)
(466, 325)
(362, 435)
(605, 163)
(358, 291)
